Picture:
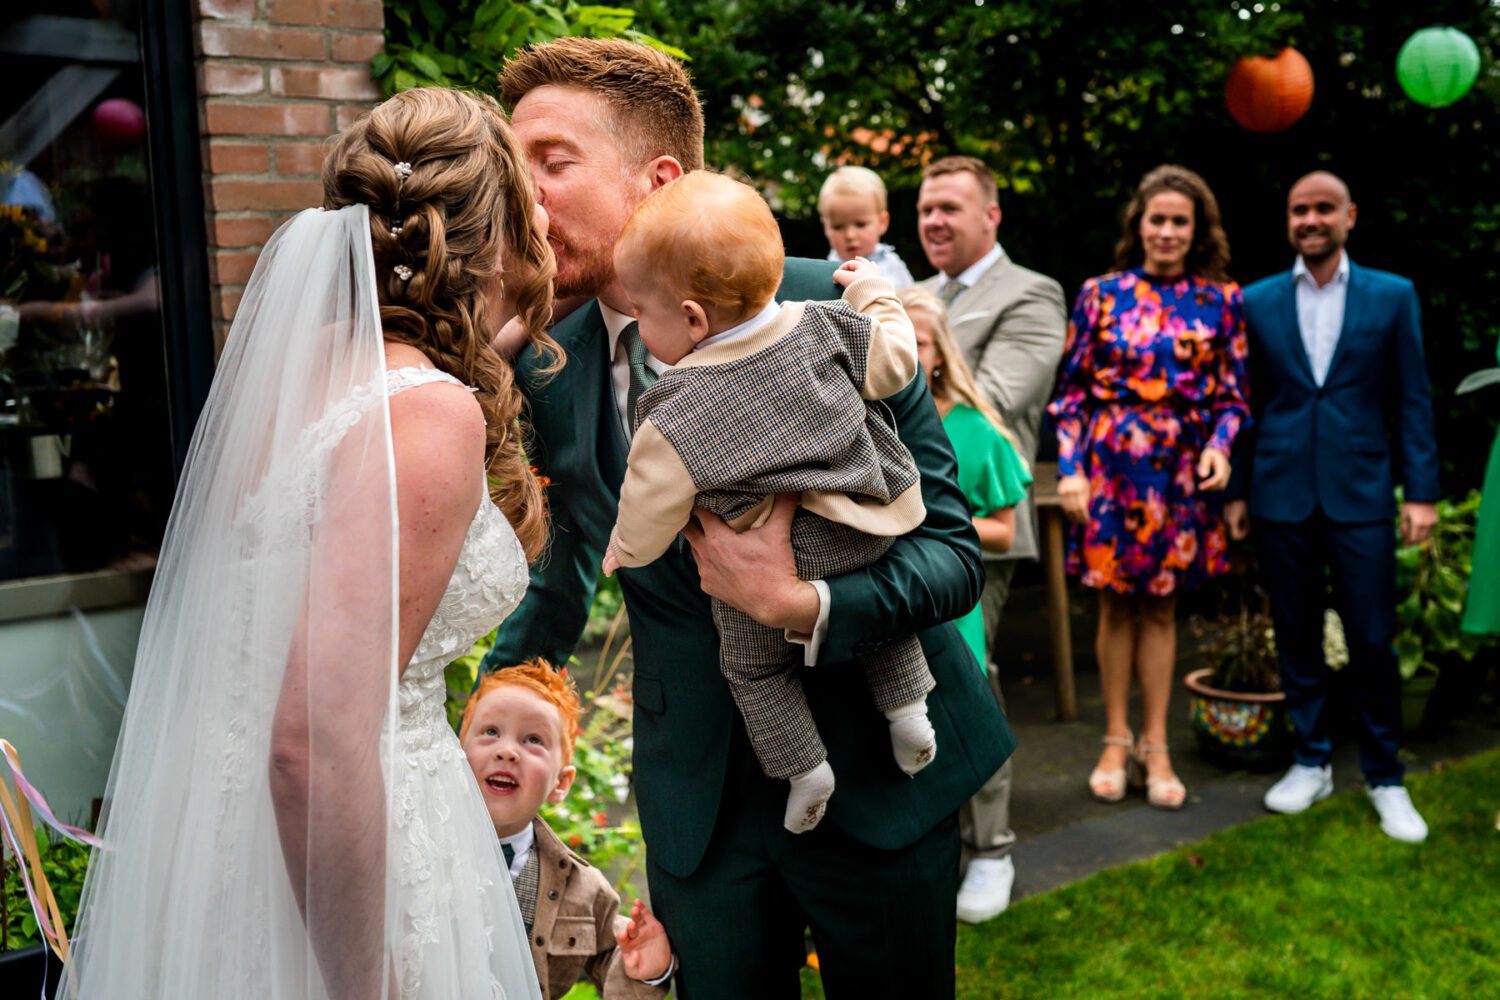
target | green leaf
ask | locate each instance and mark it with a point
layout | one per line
(426, 66)
(434, 13)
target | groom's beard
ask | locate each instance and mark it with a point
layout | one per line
(585, 266)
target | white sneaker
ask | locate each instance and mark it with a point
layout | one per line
(1398, 817)
(1299, 788)
(986, 889)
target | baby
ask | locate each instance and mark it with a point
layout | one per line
(518, 731)
(767, 399)
(852, 206)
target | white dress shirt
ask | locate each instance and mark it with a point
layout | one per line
(971, 274)
(1320, 313)
(615, 323)
(520, 843)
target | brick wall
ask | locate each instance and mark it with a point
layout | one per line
(275, 79)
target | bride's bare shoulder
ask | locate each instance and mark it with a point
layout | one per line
(438, 425)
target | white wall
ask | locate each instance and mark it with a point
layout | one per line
(63, 682)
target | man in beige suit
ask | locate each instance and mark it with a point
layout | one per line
(1011, 324)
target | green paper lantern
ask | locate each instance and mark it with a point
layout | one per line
(1437, 66)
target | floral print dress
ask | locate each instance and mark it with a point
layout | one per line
(1154, 372)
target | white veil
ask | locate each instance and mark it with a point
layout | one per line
(256, 747)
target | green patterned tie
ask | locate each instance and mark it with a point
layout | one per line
(951, 290)
(510, 854)
(641, 375)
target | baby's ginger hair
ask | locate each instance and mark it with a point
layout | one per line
(711, 236)
(538, 677)
(859, 181)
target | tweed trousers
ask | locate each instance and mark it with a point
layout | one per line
(761, 665)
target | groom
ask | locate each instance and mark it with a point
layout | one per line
(604, 124)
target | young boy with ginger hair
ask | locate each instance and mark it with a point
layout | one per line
(769, 399)
(518, 731)
(852, 205)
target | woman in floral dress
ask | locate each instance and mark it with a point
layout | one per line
(1150, 398)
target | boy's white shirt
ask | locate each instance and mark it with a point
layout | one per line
(521, 844)
(615, 323)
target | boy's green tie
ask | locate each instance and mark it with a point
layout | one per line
(509, 852)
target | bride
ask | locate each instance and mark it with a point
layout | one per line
(289, 815)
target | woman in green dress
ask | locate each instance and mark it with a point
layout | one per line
(991, 473)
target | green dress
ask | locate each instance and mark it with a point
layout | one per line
(1482, 615)
(991, 477)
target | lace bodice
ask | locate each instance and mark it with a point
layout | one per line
(487, 584)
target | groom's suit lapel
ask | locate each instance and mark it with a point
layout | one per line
(584, 389)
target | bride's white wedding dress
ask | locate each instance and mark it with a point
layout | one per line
(447, 855)
(268, 649)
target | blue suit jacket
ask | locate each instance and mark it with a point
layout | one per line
(1341, 446)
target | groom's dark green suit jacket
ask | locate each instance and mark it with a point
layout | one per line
(684, 715)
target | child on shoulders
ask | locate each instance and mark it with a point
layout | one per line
(518, 732)
(852, 206)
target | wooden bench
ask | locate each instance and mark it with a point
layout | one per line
(1053, 548)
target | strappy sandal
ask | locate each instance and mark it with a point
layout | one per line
(1109, 786)
(1162, 793)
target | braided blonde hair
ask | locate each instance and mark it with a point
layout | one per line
(451, 199)
(951, 380)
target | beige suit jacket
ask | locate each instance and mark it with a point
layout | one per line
(1012, 326)
(573, 935)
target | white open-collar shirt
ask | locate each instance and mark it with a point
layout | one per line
(1320, 313)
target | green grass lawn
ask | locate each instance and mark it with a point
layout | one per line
(1318, 905)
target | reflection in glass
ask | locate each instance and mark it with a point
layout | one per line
(85, 461)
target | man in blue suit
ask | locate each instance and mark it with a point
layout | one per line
(1343, 412)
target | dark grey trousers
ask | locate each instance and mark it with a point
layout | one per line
(761, 665)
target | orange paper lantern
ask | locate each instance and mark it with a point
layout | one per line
(1269, 95)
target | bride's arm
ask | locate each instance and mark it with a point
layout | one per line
(327, 785)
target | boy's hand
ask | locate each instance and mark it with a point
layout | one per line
(610, 562)
(643, 943)
(851, 270)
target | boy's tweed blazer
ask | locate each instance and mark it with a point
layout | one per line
(573, 930)
(792, 407)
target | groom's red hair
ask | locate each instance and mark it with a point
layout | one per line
(540, 678)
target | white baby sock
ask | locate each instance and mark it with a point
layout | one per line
(912, 739)
(811, 791)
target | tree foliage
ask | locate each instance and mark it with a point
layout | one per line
(463, 43)
(1071, 101)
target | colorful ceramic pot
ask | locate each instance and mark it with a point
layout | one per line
(1237, 730)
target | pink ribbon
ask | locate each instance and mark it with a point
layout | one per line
(56, 938)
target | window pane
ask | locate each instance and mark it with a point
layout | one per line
(85, 457)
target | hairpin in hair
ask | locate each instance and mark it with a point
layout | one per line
(395, 230)
(403, 170)
(403, 272)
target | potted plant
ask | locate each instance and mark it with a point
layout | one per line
(1431, 581)
(1236, 703)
